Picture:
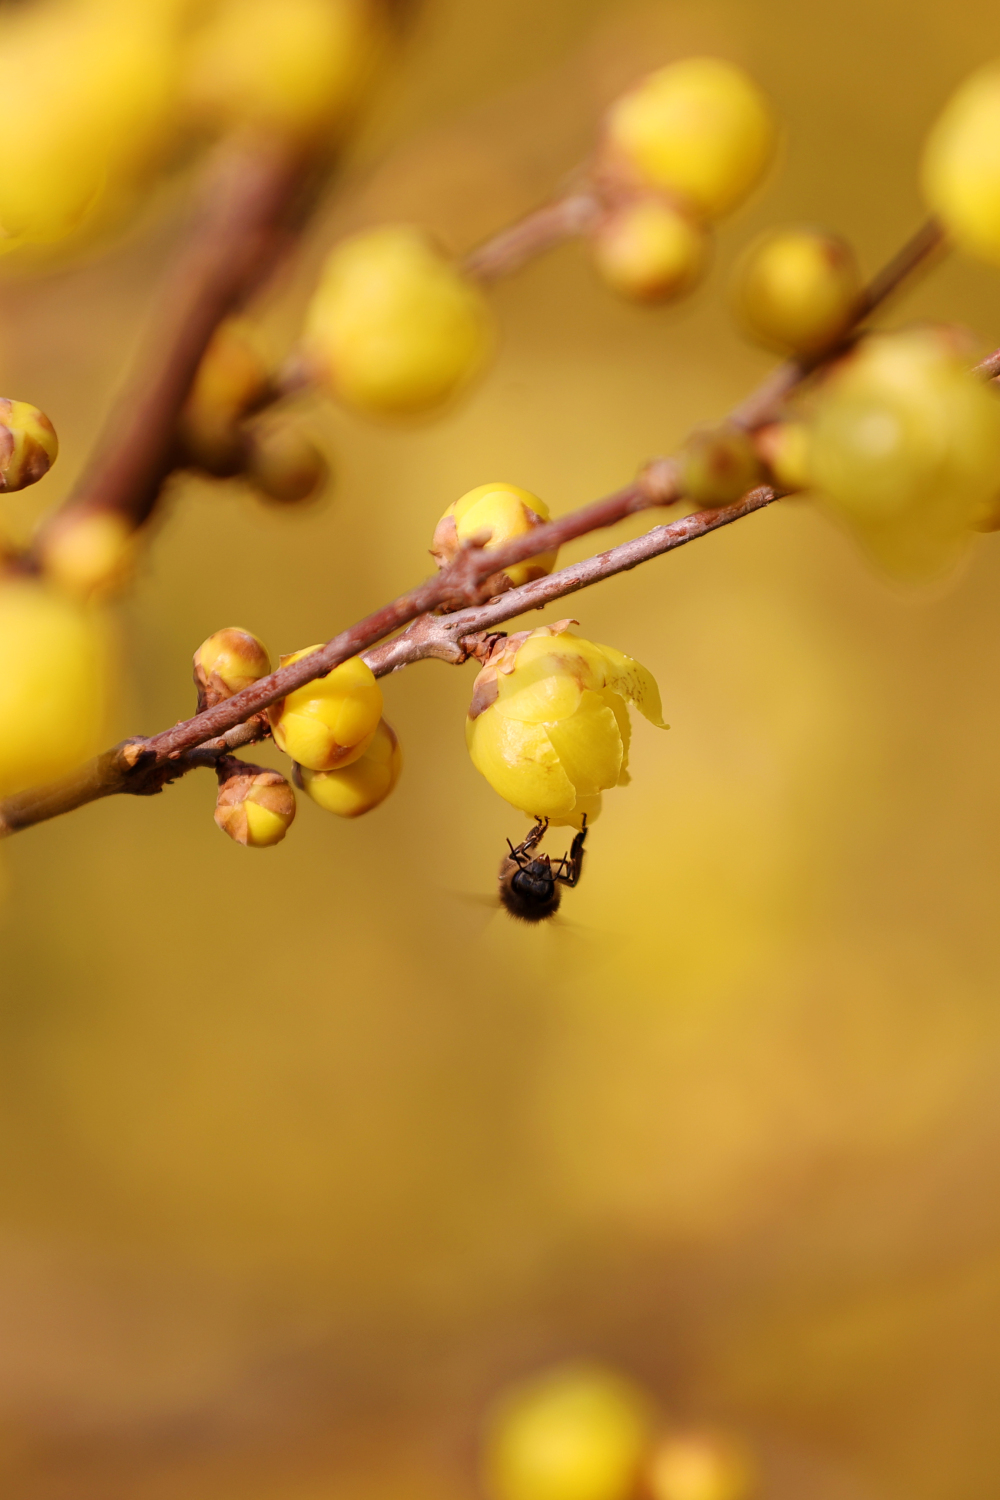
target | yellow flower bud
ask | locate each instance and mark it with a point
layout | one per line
(699, 128)
(88, 553)
(505, 511)
(232, 380)
(256, 807)
(394, 327)
(575, 1433)
(699, 1466)
(905, 447)
(718, 465)
(797, 290)
(549, 725)
(53, 684)
(293, 66)
(367, 781)
(229, 661)
(649, 250)
(784, 448)
(88, 106)
(332, 720)
(282, 460)
(28, 444)
(961, 168)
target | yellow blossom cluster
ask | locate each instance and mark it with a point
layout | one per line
(680, 150)
(346, 757)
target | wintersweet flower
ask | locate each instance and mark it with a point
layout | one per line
(364, 784)
(330, 721)
(502, 512)
(549, 723)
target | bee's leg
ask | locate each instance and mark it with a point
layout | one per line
(534, 838)
(573, 861)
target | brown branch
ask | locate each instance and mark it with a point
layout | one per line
(139, 767)
(451, 637)
(254, 196)
(658, 484)
(126, 768)
(539, 231)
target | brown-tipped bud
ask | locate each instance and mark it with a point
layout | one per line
(718, 465)
(88, 553)
(283, 462)
(228, 661)
(28, 444)
(256, 807)
(232, 381)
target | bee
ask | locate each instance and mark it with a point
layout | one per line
(529, 884)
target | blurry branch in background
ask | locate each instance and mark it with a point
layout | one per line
(144, 766)
(254, 198)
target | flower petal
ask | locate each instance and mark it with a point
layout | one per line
(637, 685)
(618, 707)
(589, 746)
(519, 762)
(534, 697)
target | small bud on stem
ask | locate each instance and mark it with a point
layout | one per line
(228, 661)
(28, 444)
(255, 806)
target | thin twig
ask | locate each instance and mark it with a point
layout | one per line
(537, 232)
(447, 637)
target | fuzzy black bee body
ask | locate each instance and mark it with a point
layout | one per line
(530, 886)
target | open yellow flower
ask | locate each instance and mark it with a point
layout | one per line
(549, 724)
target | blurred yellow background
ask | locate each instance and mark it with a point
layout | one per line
(302, 1155)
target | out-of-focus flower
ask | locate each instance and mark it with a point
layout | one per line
(650, 250)
(699, 128)
(53, 684)
(89, 105)
(88, 552)
(364, 784)
(718, 465)
(296, 67)
(575, 1433)
(796, 290)
(393, 326)
(961, 169)
(905, 446)
(549, 724)
(699, 1466)
(504, 511)
(784, 448)
(282, 461)
(330, 721)
(232, 380)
